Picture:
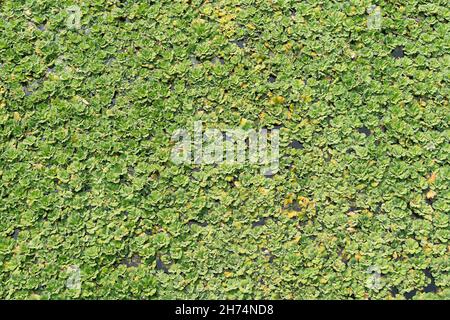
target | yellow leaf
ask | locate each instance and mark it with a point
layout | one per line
(288, 46)
(431, 194)
(262, 115)
(289, 199)
(432, 178)
(16, 116)
(227, 274)
(237, 225)
(306, 98)
(277, 100)
(302, 201)
(292, 214)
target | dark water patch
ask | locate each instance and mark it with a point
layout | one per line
(366, 131)
(239, 43)
(260, 222)
(297, 145)
(394, 291)
(272, 78)
(398, 52)
(409, 295)
(431, 287)
(294, 206)
(354, 209)
(132, 262)
(15, 234)
(195, 222)
(161, 266)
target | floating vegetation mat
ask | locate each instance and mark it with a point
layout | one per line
(109, 188)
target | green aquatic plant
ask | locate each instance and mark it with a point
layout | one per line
(91, 205)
